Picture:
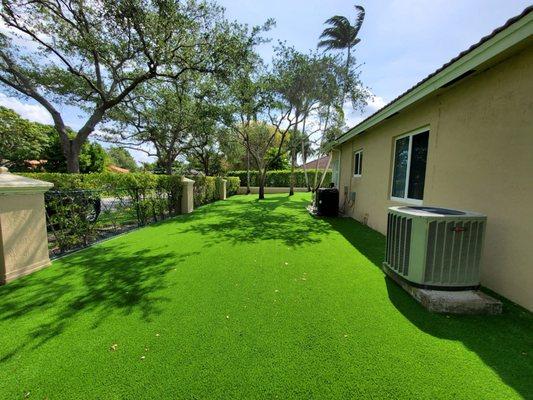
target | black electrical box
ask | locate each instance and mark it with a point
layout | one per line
(327, 202)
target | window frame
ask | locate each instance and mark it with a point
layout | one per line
(360, 152)
(406, 199)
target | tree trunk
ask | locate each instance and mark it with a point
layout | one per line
(304, 160)
(316, 173)
(345, 88)
(206, 166)
(248, 171)
(293, 163)
(293, 155)
(262, 177)
(72, 147)
(72, 155)
(304, 157)
(168, 168)
(325, 169)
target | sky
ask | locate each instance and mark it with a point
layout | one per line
(402, 41)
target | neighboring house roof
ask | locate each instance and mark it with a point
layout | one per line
(322, 163)
(35, 163)
(514, 31)
(117, 169)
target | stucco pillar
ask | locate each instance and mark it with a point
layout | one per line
(187, 198)
(23, 239)
(222, 189)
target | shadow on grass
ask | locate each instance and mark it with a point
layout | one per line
(503, 342)
(101, 281)
(249, 220)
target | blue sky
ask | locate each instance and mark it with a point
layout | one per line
(402, 41)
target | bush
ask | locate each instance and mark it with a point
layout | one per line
(205, 189)
(232, 185)
(83, 208)
(125, 199)
(281, 178)
(106, 180)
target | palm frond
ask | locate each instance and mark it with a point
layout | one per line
(332, 44)
(338, 20)
(332, 33)
(359, 19)
(341, 34)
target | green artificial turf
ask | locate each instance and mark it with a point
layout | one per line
(247, 299)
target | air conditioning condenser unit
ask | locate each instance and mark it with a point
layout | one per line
(435, 248)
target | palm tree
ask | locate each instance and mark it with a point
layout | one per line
(341, 34)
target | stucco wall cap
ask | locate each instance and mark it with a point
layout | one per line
(187, 180)
(11, 183)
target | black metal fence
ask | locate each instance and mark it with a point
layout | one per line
(78, 218)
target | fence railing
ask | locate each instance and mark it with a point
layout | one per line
(78, 218)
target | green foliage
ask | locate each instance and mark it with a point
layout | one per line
(108, 181)
(275, 161)
(281, 178)
(122, 158)
(92, 158)
(232, 185)
(95, 54)
(74, 204)
(205, 189)
(20, 139)
(342, 35)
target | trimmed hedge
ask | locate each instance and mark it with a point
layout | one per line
(205, 189)
(281, 178)
(108, 181)
(232, 185)
(138, 185)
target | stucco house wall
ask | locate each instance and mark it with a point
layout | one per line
(480, 158)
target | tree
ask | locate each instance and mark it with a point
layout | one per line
(20, 140)
(93, 158)
(310, 82)
(342, 35)
(157, 120)
(265, 143)
(275, 161)
(170, 120)
(122, 158)
(92, 155)
(94, 54)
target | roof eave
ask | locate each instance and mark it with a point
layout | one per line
(512, 35)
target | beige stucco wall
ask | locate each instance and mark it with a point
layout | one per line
(480, 158)
(23, 244)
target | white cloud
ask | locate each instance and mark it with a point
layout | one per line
(353, 117)
(33, 112)
(375, 103)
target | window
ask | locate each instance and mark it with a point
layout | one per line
(410, 154)
(358, 163)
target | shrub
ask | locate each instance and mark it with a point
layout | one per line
(232, 185)
(281, 178)
(82, 208)
(205, 189)
(125, 200)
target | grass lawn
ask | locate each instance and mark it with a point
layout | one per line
(247, 299)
